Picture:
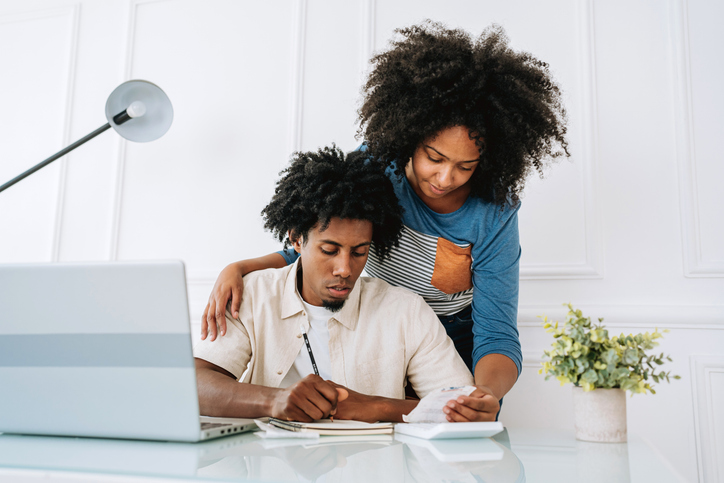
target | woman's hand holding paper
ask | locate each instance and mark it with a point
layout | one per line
(480, 405)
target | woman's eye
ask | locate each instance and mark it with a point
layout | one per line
(465, 169)
(434, 160)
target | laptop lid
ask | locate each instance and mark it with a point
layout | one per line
(99, 349)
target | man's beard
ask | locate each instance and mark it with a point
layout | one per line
(333, 305)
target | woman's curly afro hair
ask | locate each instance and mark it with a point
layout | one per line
(319, 186)
(433, 78)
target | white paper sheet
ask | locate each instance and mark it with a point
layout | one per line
(429, 410)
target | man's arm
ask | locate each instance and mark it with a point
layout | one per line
(221, 395)
(362, 407)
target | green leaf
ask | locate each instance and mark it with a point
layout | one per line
(631, 356)
(590, 376)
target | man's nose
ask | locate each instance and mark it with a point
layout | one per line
(341, 266)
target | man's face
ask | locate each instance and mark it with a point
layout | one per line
(332, 261)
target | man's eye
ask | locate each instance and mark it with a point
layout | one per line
(326, 252)
(358, 254)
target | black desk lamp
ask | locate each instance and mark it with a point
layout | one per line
(138, 110)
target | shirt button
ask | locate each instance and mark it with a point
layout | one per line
(279, 372)
(299, 336)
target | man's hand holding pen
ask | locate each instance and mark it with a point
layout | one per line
(310, 399)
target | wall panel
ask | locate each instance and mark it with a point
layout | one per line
(332, 73)
(707, 383)
(36, 99)
(699, 103)
(205, 182)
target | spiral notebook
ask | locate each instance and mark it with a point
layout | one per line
(338, 427)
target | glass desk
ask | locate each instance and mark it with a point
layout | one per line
(512, 456)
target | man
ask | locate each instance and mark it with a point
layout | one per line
(367, 337)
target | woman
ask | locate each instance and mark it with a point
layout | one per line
(460, 123)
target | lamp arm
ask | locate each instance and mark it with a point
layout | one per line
(57, 155)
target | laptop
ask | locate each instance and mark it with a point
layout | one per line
(100, 350)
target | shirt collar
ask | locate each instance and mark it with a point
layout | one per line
(292, 300)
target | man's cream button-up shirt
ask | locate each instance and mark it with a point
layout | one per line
(382, 336)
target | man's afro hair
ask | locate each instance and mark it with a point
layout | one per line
(325, 184)
(433, 78)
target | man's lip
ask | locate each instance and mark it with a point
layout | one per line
(339, 288)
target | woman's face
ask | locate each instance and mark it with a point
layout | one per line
(443, 164)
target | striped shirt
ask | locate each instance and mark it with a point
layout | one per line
(412, 265)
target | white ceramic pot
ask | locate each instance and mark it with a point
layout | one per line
(600, 415)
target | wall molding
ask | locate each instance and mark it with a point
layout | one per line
(367, 44)
(648, 317)
(296, 76)
(120, 144)
(201, 278)
(694, 264)
(592, 268)
(532, 359)
(119, 169)
(74, 12)
(707, 450)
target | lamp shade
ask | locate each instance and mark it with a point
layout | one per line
(150, 111)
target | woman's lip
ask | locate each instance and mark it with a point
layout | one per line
(436, 190)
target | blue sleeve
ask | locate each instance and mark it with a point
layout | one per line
(495, 292)
(290, 255)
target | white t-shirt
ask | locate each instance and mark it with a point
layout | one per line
(318, 335)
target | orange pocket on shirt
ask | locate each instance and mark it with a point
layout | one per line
(452, 267)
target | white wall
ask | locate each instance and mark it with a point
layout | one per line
(629, 229)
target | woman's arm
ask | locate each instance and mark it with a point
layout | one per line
(231, 285)
(497, 372)
(497, 354)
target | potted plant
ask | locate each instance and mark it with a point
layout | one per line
(601, 369)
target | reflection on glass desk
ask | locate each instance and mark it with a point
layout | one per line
(511, 456)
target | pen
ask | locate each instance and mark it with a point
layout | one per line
(311, 356)
(309, 348)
